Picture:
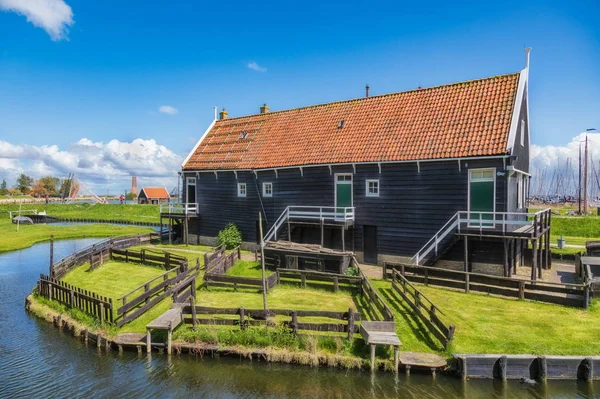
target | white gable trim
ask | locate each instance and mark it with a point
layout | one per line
(198, 143)
(522, 90)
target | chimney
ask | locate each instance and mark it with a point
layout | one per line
(367, 89)
(223, 114)
(264, 109)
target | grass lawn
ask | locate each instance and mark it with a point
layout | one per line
(138, 213)
(248, 268)
(11, 240)
(486, 324)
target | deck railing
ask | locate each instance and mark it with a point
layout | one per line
(484, 222)
(322, 214)
(185, 208)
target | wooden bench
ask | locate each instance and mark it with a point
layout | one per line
(166, 321)
(380, 333)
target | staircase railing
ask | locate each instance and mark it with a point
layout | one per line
(433, 244)
(272, 233)
(185, 208)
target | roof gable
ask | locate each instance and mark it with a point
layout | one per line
(452, 121)
(155, 192)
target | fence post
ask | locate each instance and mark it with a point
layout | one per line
(335, 284)
(521, 289)
(385, 271)
(71, 298)
(350, 324)
(586, 304)
(467, 281)
(303, 280)
(402, 271)
(51, 256)
(426, 276)
(294, 321)
(168, 260)
(239, 252)
(242, 318)
(101, 312)
(418, 299)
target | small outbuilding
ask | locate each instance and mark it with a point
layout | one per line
(154, 195)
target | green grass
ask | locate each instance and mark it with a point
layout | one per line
(137, 213)
(112, 279)
(11, 240)
(486, 324)
(248, 268)
(587, 227)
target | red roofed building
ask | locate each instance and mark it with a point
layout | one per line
(154, 195)
(377, 175)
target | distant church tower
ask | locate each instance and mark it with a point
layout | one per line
(134, 189)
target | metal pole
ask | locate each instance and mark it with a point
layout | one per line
(585, 178)
(262, 261)
(52, 256)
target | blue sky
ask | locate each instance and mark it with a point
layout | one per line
(103, 73)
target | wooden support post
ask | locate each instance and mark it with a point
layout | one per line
(350, 324)
(194, 317)
(242, 318)
(372, 347)
(322, 233)
(343, 239)
(289, 226)
(262, 263)
(502, 363)
(533, 260)
(588, 374)
(52, 256)
(170, 231)
(148, 344)
(186, 229)
(335, 284)
(101, 313)
(547, 251)
(169, 338)
(407, 369)
(466, 249)
(303, 280)
(467, 282)
(396, 358)
(426, 277)
(586, 303)
(506, 266)
(294, 321)
(514, 261)
(160, 237)
(521, 289)
(539, 253)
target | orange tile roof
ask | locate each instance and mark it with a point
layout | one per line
(156, 192)
(463, 119)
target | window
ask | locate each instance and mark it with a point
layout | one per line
(522, 132)
(267, 189)
(372, 188)
(482, 175)
(241, 189)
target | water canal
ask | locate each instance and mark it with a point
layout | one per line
(36, 360)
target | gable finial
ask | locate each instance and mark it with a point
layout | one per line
(527, 51)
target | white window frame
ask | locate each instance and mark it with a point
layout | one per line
(239, 189)
(189, 182)
(368, 193)
(492, 224)
(265, 184)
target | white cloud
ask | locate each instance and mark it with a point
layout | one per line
(554, 169)
(255, 67)
(167, 109)
(96, 163)
(54, 16)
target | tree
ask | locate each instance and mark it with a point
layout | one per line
(39, 190)
(3, 189)
(50, 184)
(130, 196)
(24, 183)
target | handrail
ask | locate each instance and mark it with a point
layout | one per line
(273, 230)
(184, 208)
(446, 229)
(397, 274)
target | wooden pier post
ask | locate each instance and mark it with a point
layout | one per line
(350, 324)
(372, 347)
(148, 344)
(396, 359)
(533, 259)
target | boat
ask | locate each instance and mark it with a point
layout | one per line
(22, 220)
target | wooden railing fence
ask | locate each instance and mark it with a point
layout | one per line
(374, 300)
(93, 253)
(423, 308)
(255, 317)
(219, 262)
(147, 295)
(576, 295)
(148, 257)
(303, 276)
(97, 306)
(239, 282)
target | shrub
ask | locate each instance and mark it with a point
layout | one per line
(230, 236)
(351, 271)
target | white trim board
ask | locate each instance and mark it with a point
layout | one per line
(493, 224)
(522, 92)
(198, 143)
(351, 183)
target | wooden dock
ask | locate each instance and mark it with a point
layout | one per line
(167, 321)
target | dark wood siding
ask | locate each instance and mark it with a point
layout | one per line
(411, 206)
(521, 152)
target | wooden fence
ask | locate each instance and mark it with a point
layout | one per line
(239, 282)
(376, 303)
(94, 252)
(254, 317)
(148, 257)
(97, 306)
(576, 295)
(303, 276)
(219, 262)
(423, 308)
(174, 281)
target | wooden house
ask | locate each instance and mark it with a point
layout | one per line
(430, 175)
(154, 195)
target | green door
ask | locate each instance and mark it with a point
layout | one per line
(481, 197)
(343, 193)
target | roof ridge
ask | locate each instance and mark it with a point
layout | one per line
(372, 97)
